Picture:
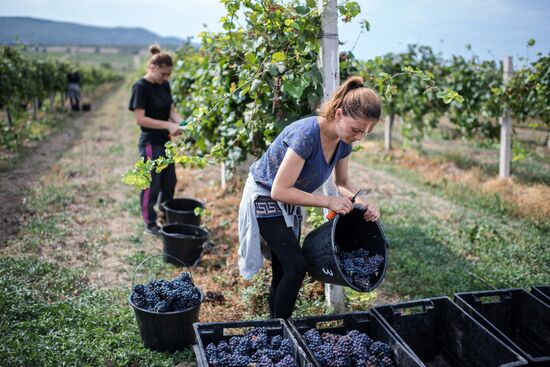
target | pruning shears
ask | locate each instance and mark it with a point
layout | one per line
(332, 213)
(182, 125)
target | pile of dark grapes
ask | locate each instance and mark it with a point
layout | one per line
(255, 348)
(167, 295)
(351, 350)
(359, 267)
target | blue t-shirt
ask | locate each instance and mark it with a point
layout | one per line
(304, 138)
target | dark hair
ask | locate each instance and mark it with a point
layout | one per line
(159, 58)
(354, 99)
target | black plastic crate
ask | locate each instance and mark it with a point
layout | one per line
(542, 292)
(341, 324)
(214, 332)
(518, 318)
(440, 333)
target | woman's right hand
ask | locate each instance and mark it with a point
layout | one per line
(339, 204)
(173, 129)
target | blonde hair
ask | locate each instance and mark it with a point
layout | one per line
(159, 58)
(354, 99)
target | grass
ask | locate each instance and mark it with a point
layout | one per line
(310, 300)
(51, 317)
(531, 167)
(120, 61)
(27, 131)
(51, 313)
(447, 238)
(534, 168)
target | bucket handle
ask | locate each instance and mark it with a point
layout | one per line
(157, 255)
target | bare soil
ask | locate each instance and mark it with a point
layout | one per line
(37, 161)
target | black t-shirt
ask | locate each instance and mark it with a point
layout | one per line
(156, 100)
(73, 77)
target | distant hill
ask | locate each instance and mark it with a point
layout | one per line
(33, 31)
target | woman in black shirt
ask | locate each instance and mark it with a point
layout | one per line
(155, 113)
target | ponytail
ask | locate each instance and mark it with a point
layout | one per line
(354, 99)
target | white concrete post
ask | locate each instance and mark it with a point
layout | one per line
(388, 127)
(329, 65)
(52, 101)
(35, 102)
(222, 176)
(506, 128)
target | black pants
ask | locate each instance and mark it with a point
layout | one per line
(288, 265)
(75, 103)
(162, 187)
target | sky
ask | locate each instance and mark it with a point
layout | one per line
(493, 28)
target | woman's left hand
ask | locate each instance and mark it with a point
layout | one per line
(371, 214)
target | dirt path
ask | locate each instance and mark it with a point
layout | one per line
(16, 182)
(69, 165)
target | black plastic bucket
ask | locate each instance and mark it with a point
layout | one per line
(182, 211)
(518, 318)
(166, 331)
(440, 333)
(345, 232)
(542, 292)
(184, 242)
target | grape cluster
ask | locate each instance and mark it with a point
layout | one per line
(255, 348)
(350, 350)
(167, 295)
(359, 267)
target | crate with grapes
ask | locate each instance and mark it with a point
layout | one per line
(355, 339)
(268, 343)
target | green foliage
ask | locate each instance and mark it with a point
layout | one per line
(529, 91)
(248, 82)
(519, 152)
(140, 175)
(479, 112)
(11, 78)
(51, 317)
(486, 96)
(315, 217)
(420, 86)
(349, 10)
(22, 80)
(92, 77)
(255, 296)
(411, 85)
(418, 102)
